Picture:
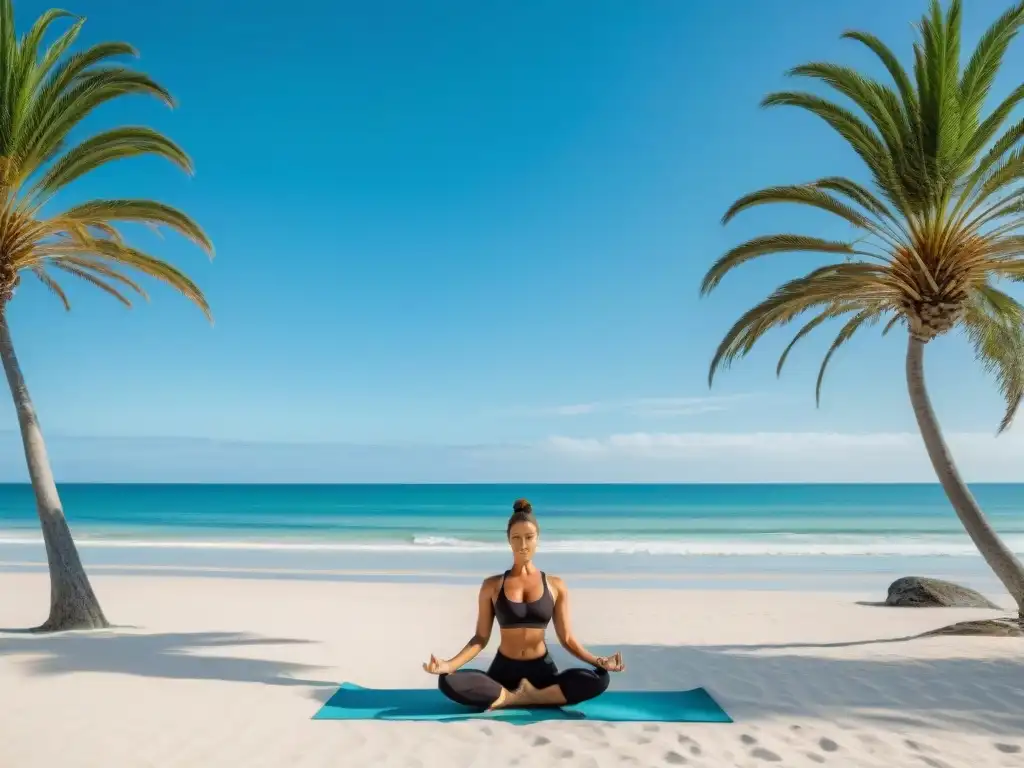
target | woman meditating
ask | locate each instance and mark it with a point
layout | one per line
(523, 600)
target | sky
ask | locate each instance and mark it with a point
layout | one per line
(462, 242)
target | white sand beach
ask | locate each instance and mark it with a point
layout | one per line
(228, 672)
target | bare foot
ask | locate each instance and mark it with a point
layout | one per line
(525, 694)
(522, 696)
(501, 701)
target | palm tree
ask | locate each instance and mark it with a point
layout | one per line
(44, 94)
(936, 231)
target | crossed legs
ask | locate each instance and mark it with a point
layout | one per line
(510, 683)
(474, 688)
(569, 687)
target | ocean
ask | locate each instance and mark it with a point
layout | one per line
(713, 535)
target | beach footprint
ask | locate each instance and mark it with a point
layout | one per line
(760, 753)
(692, 745)
(827, 744)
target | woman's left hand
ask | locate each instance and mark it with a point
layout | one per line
(437, 666)
(611, 663)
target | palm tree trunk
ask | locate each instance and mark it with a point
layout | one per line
(998, 556)
(73, 605)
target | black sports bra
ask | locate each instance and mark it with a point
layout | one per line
(535, 614)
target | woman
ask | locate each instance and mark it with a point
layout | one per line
(524, 600)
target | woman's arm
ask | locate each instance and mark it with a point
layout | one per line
(484, 623)
(563, 625)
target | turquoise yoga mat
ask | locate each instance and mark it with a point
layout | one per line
(351, 702)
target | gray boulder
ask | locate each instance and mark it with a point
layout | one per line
(921, 592)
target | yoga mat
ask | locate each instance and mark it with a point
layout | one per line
(352, 702)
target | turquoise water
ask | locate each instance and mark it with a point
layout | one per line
(656, 519)
(460, 528)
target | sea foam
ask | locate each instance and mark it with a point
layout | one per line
(752, 546)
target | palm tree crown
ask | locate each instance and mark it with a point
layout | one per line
(940, 223)
(44, 94)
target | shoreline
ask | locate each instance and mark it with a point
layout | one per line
(867, 574)
(869, 585)
(804, 544)
(225, 671)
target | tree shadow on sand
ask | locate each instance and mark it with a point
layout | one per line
(171, 655)
(759, 682)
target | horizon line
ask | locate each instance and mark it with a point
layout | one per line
(511, 483)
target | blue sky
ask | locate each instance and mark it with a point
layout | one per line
(462, 241)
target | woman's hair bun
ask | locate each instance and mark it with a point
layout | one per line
(522, 506)
(522, 512)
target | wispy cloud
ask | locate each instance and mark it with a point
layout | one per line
(621, 457)
(683, 444)
(647, 407)
(579, 409)
(658, 407)
(784, 456)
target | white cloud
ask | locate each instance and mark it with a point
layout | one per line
(678, 406)
(651, 457)
(787, 456)
(681, 444)
(647, 407)
(575, 410)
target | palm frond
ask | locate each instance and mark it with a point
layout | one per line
(895, 69)
(106, 271)
(132, 258)
(46, 92)
(92, 279)
(56, 92)
(994, 323)
(24, 77)
(8, 71)
(868, 314)
(117, 144)
(879, 103)
(829, 313)
(138, 211)
(853, 285)
(942, 217)
(859, 194)
(990, 126)
(52, 284)
(981, 70)
(803, 194)
(858, 134)
(768, 244)
(86, 94)
(897, 318)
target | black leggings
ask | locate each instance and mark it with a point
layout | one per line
(474, 688)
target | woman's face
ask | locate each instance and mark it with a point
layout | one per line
(522, 537)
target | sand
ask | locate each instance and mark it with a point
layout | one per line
(228, 672)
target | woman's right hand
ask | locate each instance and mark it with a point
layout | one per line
(611, 663)
(437, 667)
